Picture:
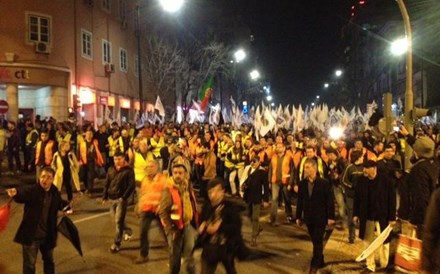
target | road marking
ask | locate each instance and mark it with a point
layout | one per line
(90, 217)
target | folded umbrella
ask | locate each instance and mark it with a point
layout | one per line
(68, 229)
(5, 211)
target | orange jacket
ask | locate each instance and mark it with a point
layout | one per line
(287, 169)
(150, 193)
(48, 153)
(177, 209)
(83, 153)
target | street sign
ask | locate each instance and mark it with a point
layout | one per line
(4, 106)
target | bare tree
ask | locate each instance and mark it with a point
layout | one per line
(161, 64)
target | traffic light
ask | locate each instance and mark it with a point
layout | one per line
(417, 113)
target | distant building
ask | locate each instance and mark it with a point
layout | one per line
(371, 68)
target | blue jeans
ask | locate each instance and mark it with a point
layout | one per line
(182, 244)
(118, 211)
(276, 189)
(30, 257)
(339, 197)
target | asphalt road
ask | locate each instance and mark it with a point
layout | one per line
(284, 249)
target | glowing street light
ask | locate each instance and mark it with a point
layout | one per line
(317, 96)
(313, 104)
(254, 74)
(399, 46)
(269, 98)
(338, 73)
(171, 5)
(239, 55)
(326, 85)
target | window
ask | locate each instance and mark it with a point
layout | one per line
(86, 44)
(106, 5)
(106, 52)
(122, 10)
(123, 59)
(39, 28)
(136, 65)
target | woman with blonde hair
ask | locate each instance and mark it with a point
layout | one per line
(66, 169)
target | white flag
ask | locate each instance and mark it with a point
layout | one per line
(159, 107)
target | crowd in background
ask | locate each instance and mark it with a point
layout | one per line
(81, 154)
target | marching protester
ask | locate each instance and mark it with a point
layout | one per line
(150, 192)
(119, 186)
(349, 180)
(421, 181)
(281, 176)
(316, 209)
(336, 165)
(220, 230)
(38, 228)
(44, 151)
(374, 209)
(90, 160)
(256, 189)
(66, 168)
(179, 216)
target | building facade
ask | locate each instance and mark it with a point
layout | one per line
(79, 54)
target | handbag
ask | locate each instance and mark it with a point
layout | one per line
(408, 253)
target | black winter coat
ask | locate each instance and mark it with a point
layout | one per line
(32, 197)
(320, 207)
(421, 182)
(431, 236)
(257, 187)
(119, 183)
(386, 200)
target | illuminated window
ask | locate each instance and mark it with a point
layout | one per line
(39, 28)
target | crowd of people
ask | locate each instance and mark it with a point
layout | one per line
(161, 168)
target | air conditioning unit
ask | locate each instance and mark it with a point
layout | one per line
(42, 47)
(109, 68)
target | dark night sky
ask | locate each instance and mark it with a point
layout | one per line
(298, 44)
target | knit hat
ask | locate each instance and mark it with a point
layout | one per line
(424, 147)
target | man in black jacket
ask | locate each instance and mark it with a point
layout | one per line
(38, 229)
(119, 185)
(254, 182)
(220, 230)
(374, 209)
(315, 208)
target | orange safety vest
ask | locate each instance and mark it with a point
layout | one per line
(285, 168)
(150, 194)
(83, 153)
(48, 152)
(177, 208)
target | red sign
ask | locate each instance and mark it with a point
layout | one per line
(4, 106)
(103, 100)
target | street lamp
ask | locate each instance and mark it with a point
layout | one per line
(399, 46)
(169, 6)
(338, 73)
(254, 74)
(317, 96)
(269, 98)
(239, 55)
(326, 85)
